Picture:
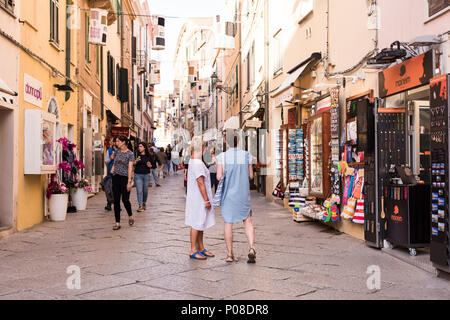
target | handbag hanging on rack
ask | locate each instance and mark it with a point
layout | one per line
(278, 192)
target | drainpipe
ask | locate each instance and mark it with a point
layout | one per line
(266, 61)
(67, 55)
(121, 55)
(102, 85)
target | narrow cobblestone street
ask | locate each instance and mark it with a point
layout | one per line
(150, 260)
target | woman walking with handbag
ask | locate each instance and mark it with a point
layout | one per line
(199, 212)
(236, 166)
(142, 175)
(122, 171)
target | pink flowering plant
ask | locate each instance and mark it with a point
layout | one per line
(56, 187)
(66, 144)
(83, 184)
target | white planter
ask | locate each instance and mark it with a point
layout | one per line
(79, 199)
(58, 206)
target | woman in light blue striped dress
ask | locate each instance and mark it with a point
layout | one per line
(236, 166)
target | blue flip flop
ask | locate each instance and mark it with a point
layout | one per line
(204, 251)
(193, 256)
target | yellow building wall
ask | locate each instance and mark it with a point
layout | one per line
(35, 36)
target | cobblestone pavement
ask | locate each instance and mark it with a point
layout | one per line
(150, 260)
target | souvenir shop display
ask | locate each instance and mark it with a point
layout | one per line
(408, 215)
(295, 145)
(439, 107)
(319, 155)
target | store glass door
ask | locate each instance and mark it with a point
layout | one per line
(418, 104)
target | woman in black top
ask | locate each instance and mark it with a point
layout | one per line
(142, 175)
(122, 171)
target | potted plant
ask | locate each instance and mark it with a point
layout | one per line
(80, 194)
(57, 193)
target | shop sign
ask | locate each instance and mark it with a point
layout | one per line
(33, 90)
(412, 73)
(253, 123)
(324, 104)
(120, 131)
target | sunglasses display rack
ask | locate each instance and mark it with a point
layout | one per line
(439, 105)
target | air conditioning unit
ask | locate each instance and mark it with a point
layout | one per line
(159, 41)
(192, 79)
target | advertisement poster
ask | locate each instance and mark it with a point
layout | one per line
(48, 153)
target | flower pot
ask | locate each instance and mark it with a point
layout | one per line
(79, 199)
(58, 206)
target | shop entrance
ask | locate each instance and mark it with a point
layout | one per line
(7, 172)
(416, 154)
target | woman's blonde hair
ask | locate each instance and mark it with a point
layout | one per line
(196, 144)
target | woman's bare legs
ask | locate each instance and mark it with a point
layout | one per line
(228, 231)
(195, 243)
(250, 231)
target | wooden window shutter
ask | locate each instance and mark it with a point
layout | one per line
(123, 88)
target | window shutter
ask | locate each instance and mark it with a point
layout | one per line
(108, 67)
(123, 88)
(133, 49)
(113, 78)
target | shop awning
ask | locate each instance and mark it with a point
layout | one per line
(295, 73)
(108, 5)
(7, 95)
(231, 124)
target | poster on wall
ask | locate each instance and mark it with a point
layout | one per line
(48, 154)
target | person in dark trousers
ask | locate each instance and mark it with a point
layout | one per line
(154, 167)
(107, 182)
(142, 175)
(122, 171)
(162, 157)
(213, 170)
(169, 159)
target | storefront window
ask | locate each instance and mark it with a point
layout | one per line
(316, 156)
(416, 102)
(48, 152)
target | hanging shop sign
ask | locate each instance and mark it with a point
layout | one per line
(155, 72)
(253, 124)
(224, 31)
(120, 131)
(33, 90)
(324, 104)
(412, 73)
(97, 27)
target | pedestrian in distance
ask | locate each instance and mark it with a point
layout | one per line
(169, 160)
(199, 212)
(175, 160)
(213, 169)
(122, 171)
(142, 167)
(154, 168)
(162, 157)
(236, 166)
(107, 181)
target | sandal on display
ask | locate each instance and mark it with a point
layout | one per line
(196, 254)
